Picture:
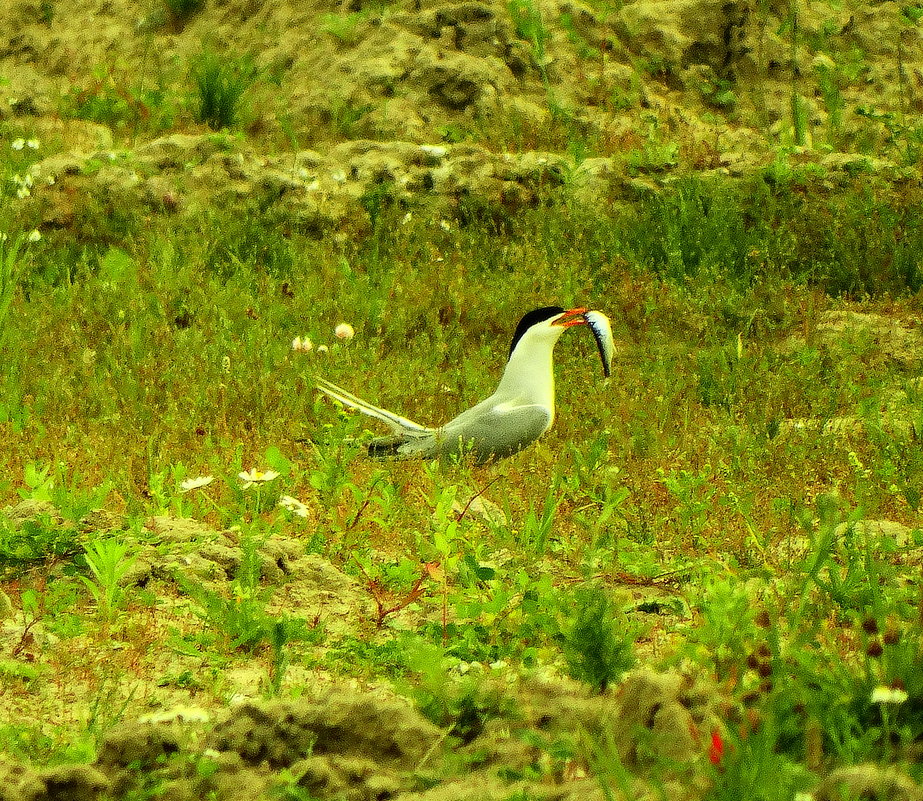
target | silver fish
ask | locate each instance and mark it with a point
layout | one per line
(602, 331)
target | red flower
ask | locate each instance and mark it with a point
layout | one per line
(716, 750)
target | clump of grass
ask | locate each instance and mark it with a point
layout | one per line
(220, 83)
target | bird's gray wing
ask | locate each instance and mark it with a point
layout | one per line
(399, 425)
(494, 430)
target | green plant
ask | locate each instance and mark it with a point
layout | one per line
(113, 98)
(221, 82)
(343, 27)
(461, 702)
(13, 255)
(538, 525)
(725, 632)
(35, 540)
(109, 562)
(598, 646)
(753, 768)
(527, 20)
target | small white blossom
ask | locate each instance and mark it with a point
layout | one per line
(302, 344)
(18, 144)
(344, 331)
(34, 235)
(322, 349)
(293, 505)
(254, 476)
(32, 143)
(338, 175)
(23, 185)
(888, 695)
(195, 483)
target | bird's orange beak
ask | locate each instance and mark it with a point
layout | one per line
(571, 318)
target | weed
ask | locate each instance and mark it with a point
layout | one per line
(109, 562)
(220, 83)
(726, 631)
(12, 256)
(598, 645)
(35, 540)
(446, 698)
(538, 525)
(112, 99)
(528, 23)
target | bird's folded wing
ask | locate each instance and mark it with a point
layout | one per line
(499, 429)
(400, 425)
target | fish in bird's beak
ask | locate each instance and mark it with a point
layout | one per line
(571, 318)
(602, 331)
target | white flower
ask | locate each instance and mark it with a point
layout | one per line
(338, 175)
(32, 143)
(34, 235)
(254, 476)
(344, 331)
(322, 349)
(23, 185)
(18, 144)
(293, 505)
(195, 483)
(888, 695)
(302, 343)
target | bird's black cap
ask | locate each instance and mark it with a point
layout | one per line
(531, 318)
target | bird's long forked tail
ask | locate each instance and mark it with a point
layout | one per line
(399, 425)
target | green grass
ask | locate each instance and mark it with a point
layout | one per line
(677, 504)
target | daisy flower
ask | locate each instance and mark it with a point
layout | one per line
(195, 483)
(254, 476)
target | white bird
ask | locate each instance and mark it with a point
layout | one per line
(518, 413)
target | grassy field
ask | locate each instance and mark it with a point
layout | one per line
(741, 499)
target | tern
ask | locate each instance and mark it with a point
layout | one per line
(518, 413)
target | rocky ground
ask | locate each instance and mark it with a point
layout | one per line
(438, 106)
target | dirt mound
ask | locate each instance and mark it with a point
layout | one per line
(343, 744)
(427, 94)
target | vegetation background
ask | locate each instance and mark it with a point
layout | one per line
(703, 583)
